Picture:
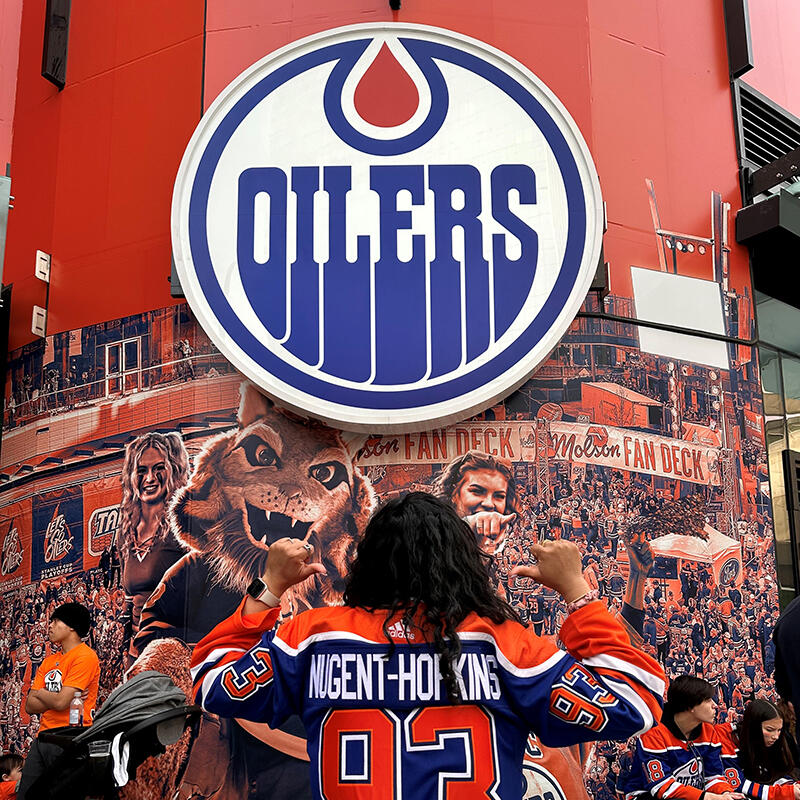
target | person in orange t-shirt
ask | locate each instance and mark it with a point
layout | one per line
(75, 669)
(10, 773)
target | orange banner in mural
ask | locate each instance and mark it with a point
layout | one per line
(513, 441)
(15, 546)
(622, 448)
(101, 513)
(618, 448)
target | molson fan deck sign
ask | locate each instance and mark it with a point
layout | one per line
(386, 226)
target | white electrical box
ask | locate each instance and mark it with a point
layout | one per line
(39, 324)
(42, 268)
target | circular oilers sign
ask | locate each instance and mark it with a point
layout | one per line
(386, 226)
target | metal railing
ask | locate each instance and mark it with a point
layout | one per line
(40, 404)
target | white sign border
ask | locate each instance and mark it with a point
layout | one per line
(375, 420)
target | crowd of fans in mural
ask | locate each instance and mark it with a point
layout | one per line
(49, 390)
(24, 642)
(720, 633)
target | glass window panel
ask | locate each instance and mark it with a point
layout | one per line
(791, 398)
(775, 431)
(132, 354)
(778, 323)
(771, 382)
(113, 359)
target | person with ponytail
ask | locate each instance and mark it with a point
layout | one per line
(425, 676)
(756, 754)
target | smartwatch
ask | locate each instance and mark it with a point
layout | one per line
(259, 590)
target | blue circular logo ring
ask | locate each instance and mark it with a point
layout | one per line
(355, 407)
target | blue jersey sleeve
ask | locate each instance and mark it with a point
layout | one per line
(603, 688)
(240, 670)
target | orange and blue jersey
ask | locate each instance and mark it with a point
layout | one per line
(782, 789)
(667, 765)
(381, 726)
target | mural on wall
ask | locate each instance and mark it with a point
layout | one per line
(642, 445)
(653, 463)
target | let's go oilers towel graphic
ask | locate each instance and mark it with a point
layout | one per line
(386, 225)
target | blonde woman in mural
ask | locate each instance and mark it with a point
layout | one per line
(156, 465)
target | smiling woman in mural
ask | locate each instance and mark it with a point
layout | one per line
(483, 493)
(156, 465)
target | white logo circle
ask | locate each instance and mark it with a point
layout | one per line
(378, 265)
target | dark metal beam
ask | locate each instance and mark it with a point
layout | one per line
(782, 169)
(771, 231)
(737, 34)
(778, 214)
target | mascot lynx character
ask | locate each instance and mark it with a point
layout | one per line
(276, 475)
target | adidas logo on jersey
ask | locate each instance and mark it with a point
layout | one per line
(399, 631)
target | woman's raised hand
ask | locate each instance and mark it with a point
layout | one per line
(289, 562)
(558, 566)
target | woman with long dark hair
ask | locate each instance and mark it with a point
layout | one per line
(758, 755)
(425, 676)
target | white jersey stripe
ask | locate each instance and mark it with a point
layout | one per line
(672, 789)
(661, 749)
(467, 636)
(653, 683)
(666, 780)
(623, 690)
(320, 637)
(208, 681)
(212, 658)
(520, 672)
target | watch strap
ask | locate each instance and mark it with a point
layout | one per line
(259, 590)
(269, 599)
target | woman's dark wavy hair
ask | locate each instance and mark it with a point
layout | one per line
(419, 557)
(760, 763)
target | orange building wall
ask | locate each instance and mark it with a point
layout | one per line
(774, 25)
(105, 150)
(93, 165)
(10, 15)
(608, 406)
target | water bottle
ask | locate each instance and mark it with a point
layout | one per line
(76, 710)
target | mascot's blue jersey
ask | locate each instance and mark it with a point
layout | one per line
(381, 728)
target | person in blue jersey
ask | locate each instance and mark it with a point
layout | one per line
(756, 754)
(681, 757)
(424, 679)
